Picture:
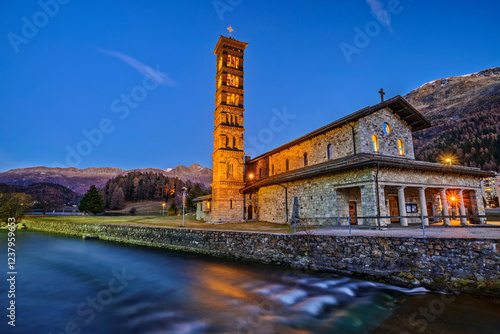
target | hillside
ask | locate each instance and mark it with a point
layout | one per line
(79, 180)
(465, 112)
(56, 194)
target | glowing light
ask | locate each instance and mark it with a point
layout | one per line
(250, 176)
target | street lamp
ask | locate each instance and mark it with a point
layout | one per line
(448, 160)
(453, 200)
(183, 203)
(163, 204)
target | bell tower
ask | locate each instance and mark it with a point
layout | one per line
(228, 161)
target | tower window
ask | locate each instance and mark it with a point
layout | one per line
(229, 170)
(287, 165)
(234, 142)
(375, 143)
(235, 120)
(305, 159)
(230, 203)
(401, 149)
(329, 151)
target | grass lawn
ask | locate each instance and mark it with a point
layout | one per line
(169, 221)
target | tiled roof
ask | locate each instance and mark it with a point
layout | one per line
(359, 161)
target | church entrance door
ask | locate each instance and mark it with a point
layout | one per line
(353, 212)
(430, 211)
(250, 212)
(394, 208)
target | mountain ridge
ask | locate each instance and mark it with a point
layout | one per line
(79, 180)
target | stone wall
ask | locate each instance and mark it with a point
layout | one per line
(388, 143)
(471, 265)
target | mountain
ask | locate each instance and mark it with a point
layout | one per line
(80, 180)
(55, 193)
(465, 113)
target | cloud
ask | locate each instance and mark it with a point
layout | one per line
(378, 9)
(146, 70)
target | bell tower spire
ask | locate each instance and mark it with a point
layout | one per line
(228, 161)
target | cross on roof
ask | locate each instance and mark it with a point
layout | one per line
(382, 93)
(230, 30)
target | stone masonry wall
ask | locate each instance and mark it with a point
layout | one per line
(456, 264)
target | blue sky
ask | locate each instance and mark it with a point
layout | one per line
(315, 61)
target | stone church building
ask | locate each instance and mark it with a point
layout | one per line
(361, 165)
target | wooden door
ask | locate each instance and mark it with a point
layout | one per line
(250, 212)
(430, 212)
(353, 212)
(394, 208)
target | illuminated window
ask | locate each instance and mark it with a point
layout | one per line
(233, 80)
(401, 149)
(233, 99)
(233, 61)
(220, 63)
(305, 159)
(287, 165)
(375, 143)
(387, 128)
(329, 151)
(219, 82)
(208, 205)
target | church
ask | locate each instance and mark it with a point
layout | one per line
(361, 165)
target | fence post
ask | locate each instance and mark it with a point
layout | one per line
(349, 223)
(423, 224)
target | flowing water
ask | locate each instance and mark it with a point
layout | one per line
(71, 285)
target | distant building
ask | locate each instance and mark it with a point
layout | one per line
(360, 165)
(490, 188)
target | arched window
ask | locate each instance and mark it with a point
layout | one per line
(287, 165)
(401, 149)
(329, 151)
(229, 170)
(234, 142)
(305, 159)
(375, 143)
(387, 128)
(227, 141)
(235, 120)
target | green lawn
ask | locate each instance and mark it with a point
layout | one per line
(169, 221)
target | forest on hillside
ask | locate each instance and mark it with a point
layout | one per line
(474, 140)
(139, 186)
(46, 194)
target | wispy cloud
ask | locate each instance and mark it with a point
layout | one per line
(146, 70)
(377, 8)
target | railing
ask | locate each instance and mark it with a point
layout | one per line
(474, 219)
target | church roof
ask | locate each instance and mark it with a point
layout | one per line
(398, 105)
(359, 161)
(203, 198)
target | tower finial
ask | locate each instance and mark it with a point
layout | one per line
(230, 31)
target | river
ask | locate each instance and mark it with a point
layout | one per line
(71, 285)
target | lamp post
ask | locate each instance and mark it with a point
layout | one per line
(163, 204)
(453, 200)
(448, 160)
(183, 203)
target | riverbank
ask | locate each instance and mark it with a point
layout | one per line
(464, 265)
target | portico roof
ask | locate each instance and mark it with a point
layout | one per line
(359, 161)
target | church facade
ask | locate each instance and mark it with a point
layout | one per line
(362, 165)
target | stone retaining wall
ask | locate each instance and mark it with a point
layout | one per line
(469, 265)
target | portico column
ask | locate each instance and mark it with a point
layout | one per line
(463, 220)
(402, 206)
(423, 205)
(444, 203)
